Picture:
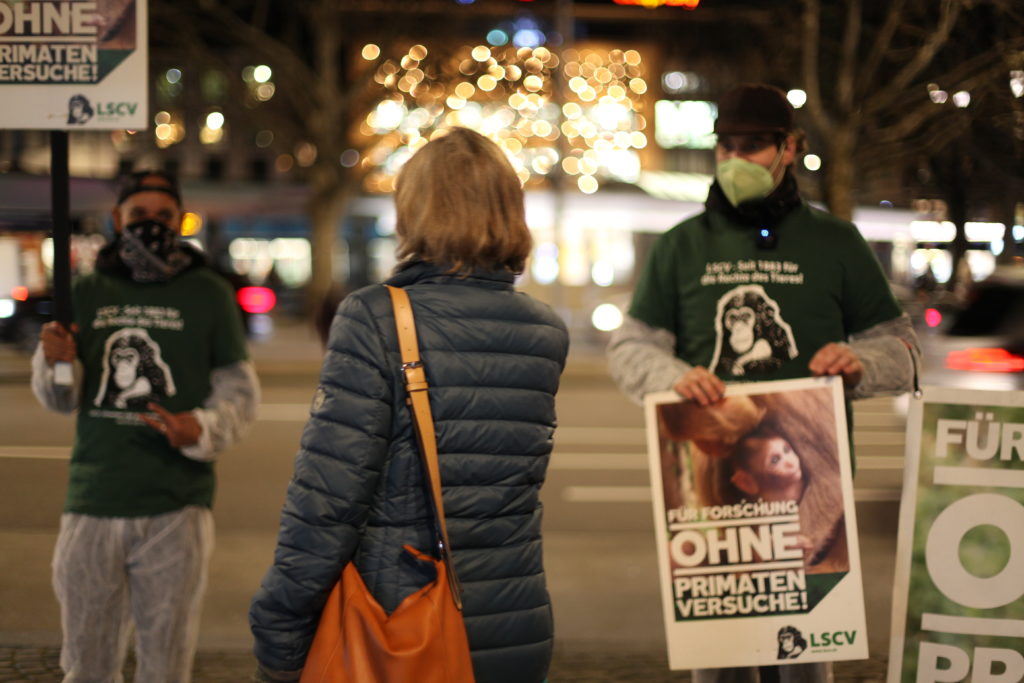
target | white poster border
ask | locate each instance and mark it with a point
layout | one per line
(120, 101)
(699, 646)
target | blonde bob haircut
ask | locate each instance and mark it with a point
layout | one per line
(458, 203)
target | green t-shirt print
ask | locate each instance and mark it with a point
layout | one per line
(754, 314)
(133, 370)
(751, 336)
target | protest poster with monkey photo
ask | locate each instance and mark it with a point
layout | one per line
(79, 65)
(755, 525)
(958, 595)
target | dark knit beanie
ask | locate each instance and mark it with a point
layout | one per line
(754, 108)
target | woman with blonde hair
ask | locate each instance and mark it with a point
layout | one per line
(493, 359)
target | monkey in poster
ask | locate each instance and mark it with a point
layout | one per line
(752, 482)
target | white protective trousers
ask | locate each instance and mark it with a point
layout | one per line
(111, 572)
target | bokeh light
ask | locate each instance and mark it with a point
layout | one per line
(606, 317)
(262, 73)
(797, 98)
(505, 91)
(191, 224)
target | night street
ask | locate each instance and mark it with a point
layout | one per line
(770, 206)
(599, 545)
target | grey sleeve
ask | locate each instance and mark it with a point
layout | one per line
(891, 356)
(227, 412)
(62, 399)
(642, 360)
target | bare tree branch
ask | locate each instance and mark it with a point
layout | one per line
(848, 57)
(811, 22)
(282, 55)
(915, 111)
(880, 45)
(921, 59)
(324, 28)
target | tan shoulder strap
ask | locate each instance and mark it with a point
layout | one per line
(417, 397)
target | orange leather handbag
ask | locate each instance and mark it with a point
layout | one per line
(424, 640)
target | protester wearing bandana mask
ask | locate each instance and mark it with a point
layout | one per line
(152, 251)
(147, 220)
(760, 286)
(163, 384)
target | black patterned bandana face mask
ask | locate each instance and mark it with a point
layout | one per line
(151, 251)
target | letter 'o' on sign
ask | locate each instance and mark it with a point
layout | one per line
(942, 551)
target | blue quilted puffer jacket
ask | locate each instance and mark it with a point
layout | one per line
(493, 359)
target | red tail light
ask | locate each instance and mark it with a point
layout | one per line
(257, 299)
(985, 360)
(20, 293)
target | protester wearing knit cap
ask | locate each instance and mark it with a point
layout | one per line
(832, 313)
(754, 108)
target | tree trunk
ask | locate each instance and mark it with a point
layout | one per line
(839, 172)
(1008, 215)
(326, 209)
(957, 202)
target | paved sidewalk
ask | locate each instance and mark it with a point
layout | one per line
(578, 664)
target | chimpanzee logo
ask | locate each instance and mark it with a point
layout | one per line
(791, 643)
(751, 335)
(133, 371)
(79, 109)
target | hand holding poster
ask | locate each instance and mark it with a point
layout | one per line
(753, 510)
(958, 598)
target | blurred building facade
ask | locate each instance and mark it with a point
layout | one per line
(606, 115)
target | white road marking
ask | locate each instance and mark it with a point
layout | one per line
(878, 462)
(638, 461)
(642, 494)
(880, 420)
(869, 439)
(598, 461)
(888, 431)
(36, 452)
(283, 412)
(602, 436)
(607, 494)
(876, 495)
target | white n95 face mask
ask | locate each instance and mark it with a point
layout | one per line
(743, 180)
